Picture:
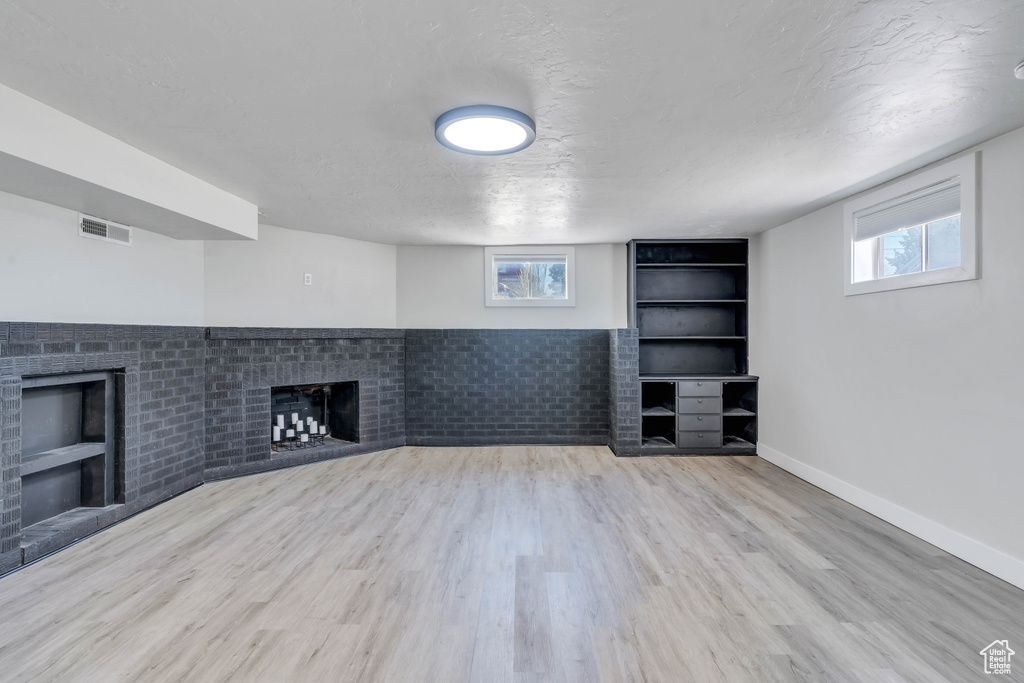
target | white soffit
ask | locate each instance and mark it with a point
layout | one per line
(655, 118)
(49, 156)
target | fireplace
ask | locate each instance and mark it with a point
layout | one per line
(68, 440)
(312, 415)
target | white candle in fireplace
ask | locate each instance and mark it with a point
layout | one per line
(299, 426)
(290, 434)
(277, 433)
(280, 421)
(295, 418)
(313, 428)
(309, 420)
(323, 430)
(305, 437)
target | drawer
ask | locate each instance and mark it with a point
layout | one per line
(699, 422)
(710, 404)
(711, 439)
(701, 388)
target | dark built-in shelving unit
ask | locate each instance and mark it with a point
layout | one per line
(688, 300)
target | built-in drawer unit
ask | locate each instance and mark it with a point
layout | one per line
(699, 439)
(700, 422)
(699, 388)
(699, 404)
(699, 415)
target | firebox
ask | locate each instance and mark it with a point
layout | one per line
(309, 415)
(68, 438)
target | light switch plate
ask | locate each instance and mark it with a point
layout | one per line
(307, 279)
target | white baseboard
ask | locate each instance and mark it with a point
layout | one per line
(997, 563)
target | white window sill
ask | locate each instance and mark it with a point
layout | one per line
(930, 277)
(532, 303)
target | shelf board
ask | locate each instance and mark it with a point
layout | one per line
(657, 442)
(690, 302)
(738, 412)
(689, 376)
(692, 338)
(657, 411)
(47, 460)
(645, 266)
(735, 442)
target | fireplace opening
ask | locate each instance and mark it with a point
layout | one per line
(311, 415)
(67, 444)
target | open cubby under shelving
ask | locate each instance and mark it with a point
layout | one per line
(736, 443)
(737, 412)
(739, 407)
(739, 397)
(659, 431)
(658, 399)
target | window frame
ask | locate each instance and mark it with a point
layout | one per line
(966, 168)
(878, 255)
(528, 253)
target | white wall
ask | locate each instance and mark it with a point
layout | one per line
(908, 403)
(56, 276)
(260, 284)
(49, 156)
(50, 274)
(444, 287)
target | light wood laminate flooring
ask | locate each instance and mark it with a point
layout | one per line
(512, 564)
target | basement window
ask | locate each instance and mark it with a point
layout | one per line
(530, 276)
(919, 231)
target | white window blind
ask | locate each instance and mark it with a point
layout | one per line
(531, 258)
(923, 206)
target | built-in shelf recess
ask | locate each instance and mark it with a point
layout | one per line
(689, 305)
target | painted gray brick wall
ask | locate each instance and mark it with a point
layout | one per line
(624, 389)
(10, 478)
(196, 402)
(242, 364)
(171, 394)
(161, 446)
(468, 387)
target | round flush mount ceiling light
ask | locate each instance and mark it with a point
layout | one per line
(485, 129)
(1019, 71)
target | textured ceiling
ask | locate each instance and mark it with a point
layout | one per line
(654, 118)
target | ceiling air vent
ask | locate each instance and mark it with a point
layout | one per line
(108, 231)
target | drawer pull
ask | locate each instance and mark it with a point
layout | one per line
(700, 418)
